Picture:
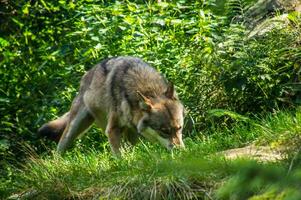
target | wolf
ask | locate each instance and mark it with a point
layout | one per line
(124, 96)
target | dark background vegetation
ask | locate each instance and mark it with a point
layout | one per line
(208, 49)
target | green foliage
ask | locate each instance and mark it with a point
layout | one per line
(235, 9)
(254, 181)
(232, 115)
(260, 73)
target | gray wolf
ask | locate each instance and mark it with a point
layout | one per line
(124, 96)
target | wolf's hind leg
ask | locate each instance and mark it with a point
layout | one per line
(79, 121)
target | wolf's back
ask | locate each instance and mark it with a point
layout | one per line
(127, 75)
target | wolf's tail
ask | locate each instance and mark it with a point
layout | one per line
(53, 130)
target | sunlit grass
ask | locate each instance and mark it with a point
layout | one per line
(147, 171)
(138, 174)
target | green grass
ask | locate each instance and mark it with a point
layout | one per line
(148, 171)
(143, 172)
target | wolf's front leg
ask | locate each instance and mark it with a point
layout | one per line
(113, 131)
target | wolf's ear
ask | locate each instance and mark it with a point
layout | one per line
(170, 92)
(144, 103)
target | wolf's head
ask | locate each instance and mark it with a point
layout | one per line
(163, 119)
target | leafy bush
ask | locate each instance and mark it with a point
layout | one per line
(260, 73)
